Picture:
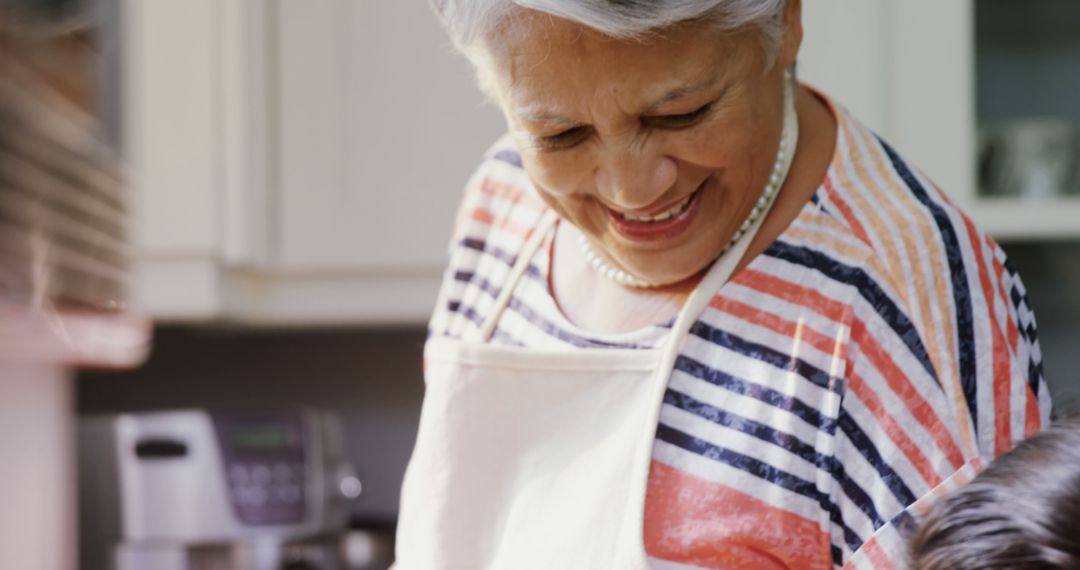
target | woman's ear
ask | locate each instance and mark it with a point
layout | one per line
(792, 35)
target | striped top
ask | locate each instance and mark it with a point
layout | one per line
(879, 353)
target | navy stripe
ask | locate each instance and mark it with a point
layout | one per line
(470, 278)
(1014, 295)
(467, 312)
(905, 524)
(500, 254)
(1018, 304)
(498, 335)
(837, 555)
(755, 429)
(824, 209)
(965, 319)
(761, 470)
(869, 451)
(855, 494)
(896, 319)
(551, 329)
(533, 317)
(1029, 333)
(824, 204)
(765, 354)
(1035, 375)
(807, 413)
(1007, 264)
(806, 451)
(508, 156)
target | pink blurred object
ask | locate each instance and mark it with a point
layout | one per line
(63, 269)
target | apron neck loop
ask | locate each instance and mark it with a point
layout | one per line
(521, 264)
(724, 267)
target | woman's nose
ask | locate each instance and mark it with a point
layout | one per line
(631, 179)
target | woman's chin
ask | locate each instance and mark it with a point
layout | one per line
(675, 278)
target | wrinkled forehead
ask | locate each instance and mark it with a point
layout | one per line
(532, 57)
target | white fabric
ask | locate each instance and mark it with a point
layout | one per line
(529, 459)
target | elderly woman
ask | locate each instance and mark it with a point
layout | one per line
(696, 315)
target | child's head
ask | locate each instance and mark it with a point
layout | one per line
(1022, 512)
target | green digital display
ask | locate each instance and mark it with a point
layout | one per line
(260, 438)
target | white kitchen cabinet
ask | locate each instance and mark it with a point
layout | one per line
(908, 69)
(298, 161)
(295, 161)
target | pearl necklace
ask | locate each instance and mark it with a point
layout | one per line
(781, 166)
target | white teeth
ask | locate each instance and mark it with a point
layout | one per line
(665, 215)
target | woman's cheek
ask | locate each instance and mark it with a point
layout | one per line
(559, 178)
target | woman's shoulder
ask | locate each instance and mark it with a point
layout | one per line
(917, 236)
(939, 304)
(499, 205)
(499, 209)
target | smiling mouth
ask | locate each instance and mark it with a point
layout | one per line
(675, 210)
(671, 212)
(659, 226)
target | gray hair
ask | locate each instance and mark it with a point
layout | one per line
(469, 21)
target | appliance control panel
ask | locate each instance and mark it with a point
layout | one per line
(263, 457)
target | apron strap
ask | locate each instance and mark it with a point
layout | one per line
(521, 264)
(724, 267)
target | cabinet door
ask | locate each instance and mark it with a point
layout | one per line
(380, 125)
(842, 53)
(905, 69)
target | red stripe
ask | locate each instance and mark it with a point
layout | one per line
(484, 216)
(1002, 375)
(919, 408)
(893, 429)
(1013, 316)
(503, 199)
(786, 290)
(845, 211)
(691, 520)
(1032, 414)
(873, 552)
(856, 383)
(510, 193)
(775, 323)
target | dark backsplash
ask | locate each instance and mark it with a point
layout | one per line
(1051, 272)
(372, 378)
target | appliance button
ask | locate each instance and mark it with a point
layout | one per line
(257, 496)
(260, 474)
(283, 473)
(239, 474)
(241, 495)
(290, 493)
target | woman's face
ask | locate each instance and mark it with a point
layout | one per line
(656, 150)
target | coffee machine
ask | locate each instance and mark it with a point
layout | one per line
(213, 490)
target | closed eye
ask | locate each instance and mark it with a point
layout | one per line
(679, 121)
(565, 139)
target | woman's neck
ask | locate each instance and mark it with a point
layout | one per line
(598, 304)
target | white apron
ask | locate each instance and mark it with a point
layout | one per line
(539, 459)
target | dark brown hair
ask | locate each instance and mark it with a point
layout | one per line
(1022, 512)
